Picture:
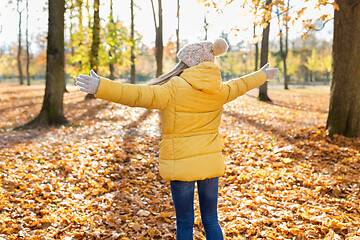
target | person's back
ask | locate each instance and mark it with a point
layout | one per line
(191, 102)
(191, 148)
(191, 145)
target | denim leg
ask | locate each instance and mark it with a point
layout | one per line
(208, 197)
(183, 198)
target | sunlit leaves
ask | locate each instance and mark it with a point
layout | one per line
(297, 12)
(98, 178)
(313, 62)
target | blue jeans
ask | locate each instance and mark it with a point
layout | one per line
(183, 198)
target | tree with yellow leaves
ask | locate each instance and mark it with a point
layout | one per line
(344, 110)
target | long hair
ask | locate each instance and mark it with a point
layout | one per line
(176, 71)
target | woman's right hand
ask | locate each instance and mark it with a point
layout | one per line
(88, 83)
(270, 73)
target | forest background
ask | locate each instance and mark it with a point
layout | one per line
(308, 61)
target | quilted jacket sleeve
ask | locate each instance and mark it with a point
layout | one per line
(152, 97)
(240, 86)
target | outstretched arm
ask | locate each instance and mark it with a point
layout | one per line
(240, 86)
(154, 97)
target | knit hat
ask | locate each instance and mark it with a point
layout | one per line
(193, 54)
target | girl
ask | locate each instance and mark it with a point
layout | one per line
(190, 98)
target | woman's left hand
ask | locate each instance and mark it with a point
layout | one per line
(89, 84)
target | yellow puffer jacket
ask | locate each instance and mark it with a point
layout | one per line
(191, 108)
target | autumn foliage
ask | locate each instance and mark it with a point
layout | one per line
(97, 178)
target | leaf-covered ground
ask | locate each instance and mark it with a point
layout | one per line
(97, 178)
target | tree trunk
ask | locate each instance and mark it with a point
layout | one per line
(178, 29)
(283, 55)
(52, 109)
(112, 49)
(286, 76)
(79, 3)
(71, 43)
(159, 42)
(21, 77)
(263, 96)
(132, 49)
(111, 67)
(306, 78)
(284, 52)
(206, 26)
(256, 56)
(27, 44)
(344, 109)
(158, 38)
(94, 54)
(256, 52)
(72, 47)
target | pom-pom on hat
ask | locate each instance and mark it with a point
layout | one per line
(193, 54)
(220, 47)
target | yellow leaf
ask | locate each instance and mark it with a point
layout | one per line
(287, 18)
(151, 233)
(165, 214)
(286, 160)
